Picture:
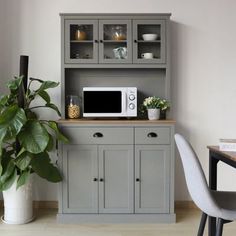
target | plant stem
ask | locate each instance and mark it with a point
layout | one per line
(35, 107)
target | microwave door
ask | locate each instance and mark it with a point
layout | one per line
(102, 103)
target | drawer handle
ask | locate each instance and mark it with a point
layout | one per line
(95, 179)
(137, 180)
(101, 180)
(98, 135)
(152, 135)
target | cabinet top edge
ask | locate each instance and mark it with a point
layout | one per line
(114, 122)
(115, 14)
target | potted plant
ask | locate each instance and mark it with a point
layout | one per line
(25, 143)
(154, 105)
(164, 106)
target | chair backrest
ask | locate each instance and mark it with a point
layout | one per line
(195, 178)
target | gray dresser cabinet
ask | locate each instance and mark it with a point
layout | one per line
(117, 170)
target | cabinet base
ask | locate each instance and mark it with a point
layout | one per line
(116, 218)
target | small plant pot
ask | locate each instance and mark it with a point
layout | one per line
(153, 114)
(163, 115)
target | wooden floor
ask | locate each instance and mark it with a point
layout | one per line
(45, 225)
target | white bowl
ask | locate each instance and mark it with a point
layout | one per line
(149, 37)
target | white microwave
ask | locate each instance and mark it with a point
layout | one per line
(109, 101)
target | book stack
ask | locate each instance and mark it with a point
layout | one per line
(227, 145)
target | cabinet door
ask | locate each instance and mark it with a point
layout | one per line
(115, 41)
(116, 176)
(81, 41)
(152, 177)
(149, 41)
(80, 185)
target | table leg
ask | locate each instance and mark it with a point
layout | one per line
(213, 185)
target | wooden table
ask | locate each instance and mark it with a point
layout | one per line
(215, 155)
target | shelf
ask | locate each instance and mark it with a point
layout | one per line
(115, 41)
(151, 41)
(114, 121)
(81, 41)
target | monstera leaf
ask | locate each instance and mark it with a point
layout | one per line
(34, 137)
(44, 168)
(12, 120)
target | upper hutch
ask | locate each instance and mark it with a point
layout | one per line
(89, 59)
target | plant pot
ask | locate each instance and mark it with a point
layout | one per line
(163, 115)
(153, 114)
(18, 204)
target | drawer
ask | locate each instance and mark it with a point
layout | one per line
(99, 135)
(152, 135)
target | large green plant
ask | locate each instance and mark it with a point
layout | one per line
(26, 140)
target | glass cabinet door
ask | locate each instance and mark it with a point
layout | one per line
(149, 41)
(81, 41)
(115, 41)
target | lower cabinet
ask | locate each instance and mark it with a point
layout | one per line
(124, 172)
(98, 179)
(152, 178)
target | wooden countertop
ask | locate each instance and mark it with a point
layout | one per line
(229, 155)
(115, 121)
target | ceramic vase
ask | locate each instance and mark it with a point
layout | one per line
(18, 204)
(153, 114)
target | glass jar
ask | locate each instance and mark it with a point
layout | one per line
(73, 109)
(80, 33)
(118, 32)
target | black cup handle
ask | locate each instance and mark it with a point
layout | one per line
(98, 135)
(152, 135)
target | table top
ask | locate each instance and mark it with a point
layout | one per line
(113, 121)
(229, 155)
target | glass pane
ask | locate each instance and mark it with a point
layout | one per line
(149, 50)
(81, 41)
(115, 44)
(149, 32)
(115, 32)
(149, 41)
(115, 50)
(81, 32)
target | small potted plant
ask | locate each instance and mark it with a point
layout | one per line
(154, 106)
(164, 106)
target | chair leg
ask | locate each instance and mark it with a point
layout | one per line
(202, 224)
(219, 227)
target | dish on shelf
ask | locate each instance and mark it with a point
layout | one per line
(149, 37)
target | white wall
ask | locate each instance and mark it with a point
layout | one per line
(203, 57)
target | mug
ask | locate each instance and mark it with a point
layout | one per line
(147, 55)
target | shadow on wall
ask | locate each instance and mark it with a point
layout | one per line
(10, 40)
(177, 47)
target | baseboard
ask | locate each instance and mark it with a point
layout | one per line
(41, 204)
(54, 204)
(185, 205)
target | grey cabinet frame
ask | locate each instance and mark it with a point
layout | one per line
(162, 58)
(67, 49)
(102, 41)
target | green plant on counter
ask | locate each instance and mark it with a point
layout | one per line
(155, 103)
(25, 140)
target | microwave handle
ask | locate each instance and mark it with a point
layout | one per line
(124, 102)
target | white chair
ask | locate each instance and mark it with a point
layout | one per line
(219, 204)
